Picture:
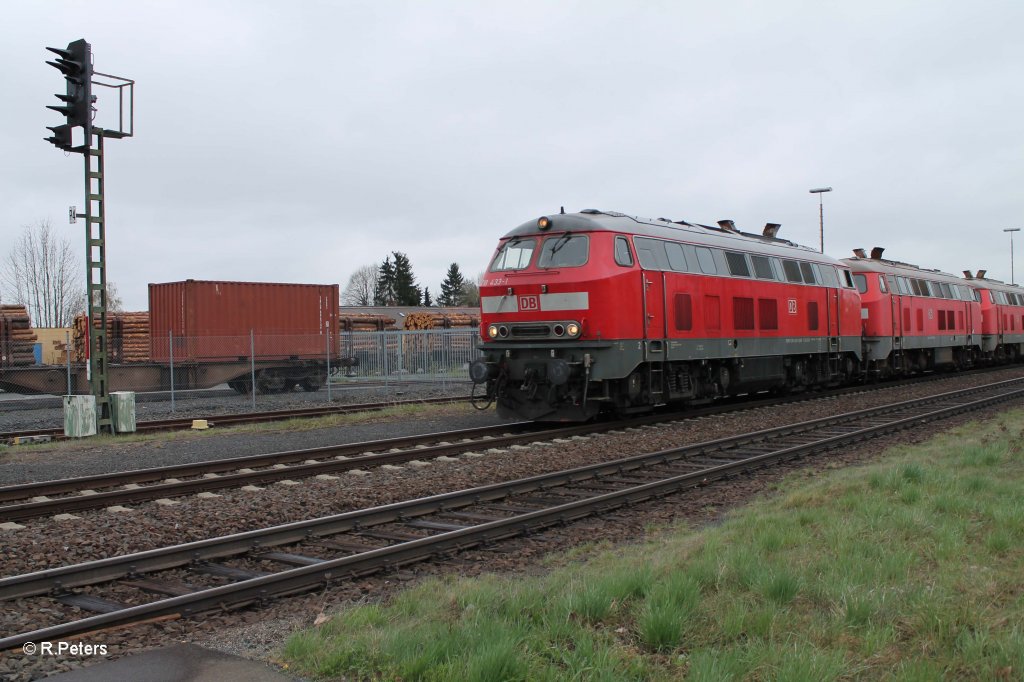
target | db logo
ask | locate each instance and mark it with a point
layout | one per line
(529, 303)
(791, 303)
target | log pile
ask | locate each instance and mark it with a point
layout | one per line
(127, 337)
(131, 334)
(17, 340)
(439, 320)
(365, 322)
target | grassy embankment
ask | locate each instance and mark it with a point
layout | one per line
(911, 568)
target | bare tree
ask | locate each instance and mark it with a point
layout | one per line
(44, 275)
(361, 286)
(471, 291)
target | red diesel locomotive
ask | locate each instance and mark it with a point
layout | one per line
(599, 310)
(914, 319)
(1002, 318)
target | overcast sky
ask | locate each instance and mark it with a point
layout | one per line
(296, 142)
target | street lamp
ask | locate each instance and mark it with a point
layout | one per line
(1011, 230)
(821, 214)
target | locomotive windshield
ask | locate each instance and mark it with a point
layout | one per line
(515, 254)
(564, 251)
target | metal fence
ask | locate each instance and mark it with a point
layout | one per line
(268, 370)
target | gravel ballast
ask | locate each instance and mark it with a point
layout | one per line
(48, 543)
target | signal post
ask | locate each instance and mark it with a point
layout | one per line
(78, 135)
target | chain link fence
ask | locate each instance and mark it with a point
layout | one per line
(267, 371)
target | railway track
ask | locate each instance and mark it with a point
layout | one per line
(245, 568)
(155, 425)
(65, 496)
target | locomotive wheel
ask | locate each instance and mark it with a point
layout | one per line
(311, 384)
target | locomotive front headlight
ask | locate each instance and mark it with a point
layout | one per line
(543, 223)
(492, 331)
(572, 329)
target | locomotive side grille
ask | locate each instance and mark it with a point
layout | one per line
(530, 330)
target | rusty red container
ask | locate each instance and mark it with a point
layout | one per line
(212, 321)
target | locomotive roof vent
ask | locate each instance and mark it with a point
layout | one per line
(968, 275)
(876, 253)
(771, 229)
(981, 274)
(860, 253)
(727, 225)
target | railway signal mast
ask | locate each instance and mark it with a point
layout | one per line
(79, 135)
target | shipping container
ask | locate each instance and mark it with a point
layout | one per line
(212, 321)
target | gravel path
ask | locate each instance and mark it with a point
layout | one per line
(44, 412)
(259, 633)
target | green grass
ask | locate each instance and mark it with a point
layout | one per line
(906, 569)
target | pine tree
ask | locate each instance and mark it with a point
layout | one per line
(426, 297)
(406, 290)
(384, 293)
(451, 287)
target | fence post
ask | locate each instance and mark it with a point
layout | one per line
(252, 366)
(170, 352)
(67, 352)
(328, 365)
(383, 337)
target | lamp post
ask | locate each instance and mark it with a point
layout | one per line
(1011, 230)
(821, 215)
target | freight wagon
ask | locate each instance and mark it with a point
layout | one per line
(202, 334)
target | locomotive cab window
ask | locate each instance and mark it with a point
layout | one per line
(515, 254)
(651, 253)
(848, 279)
(882, 286)
(828, 276)
(564, 251)
(623, 256)
(861, 282)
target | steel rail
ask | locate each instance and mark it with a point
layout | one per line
(334, 459)
(73, 485)
(328, 571)
(355, 452)
(153, 425)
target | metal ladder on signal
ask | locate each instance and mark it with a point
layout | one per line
(96, 282)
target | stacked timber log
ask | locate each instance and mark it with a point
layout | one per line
(127, 337)
(17, 340)
(439, 320)
(423, 346)
(365, 322)
(132, 333)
